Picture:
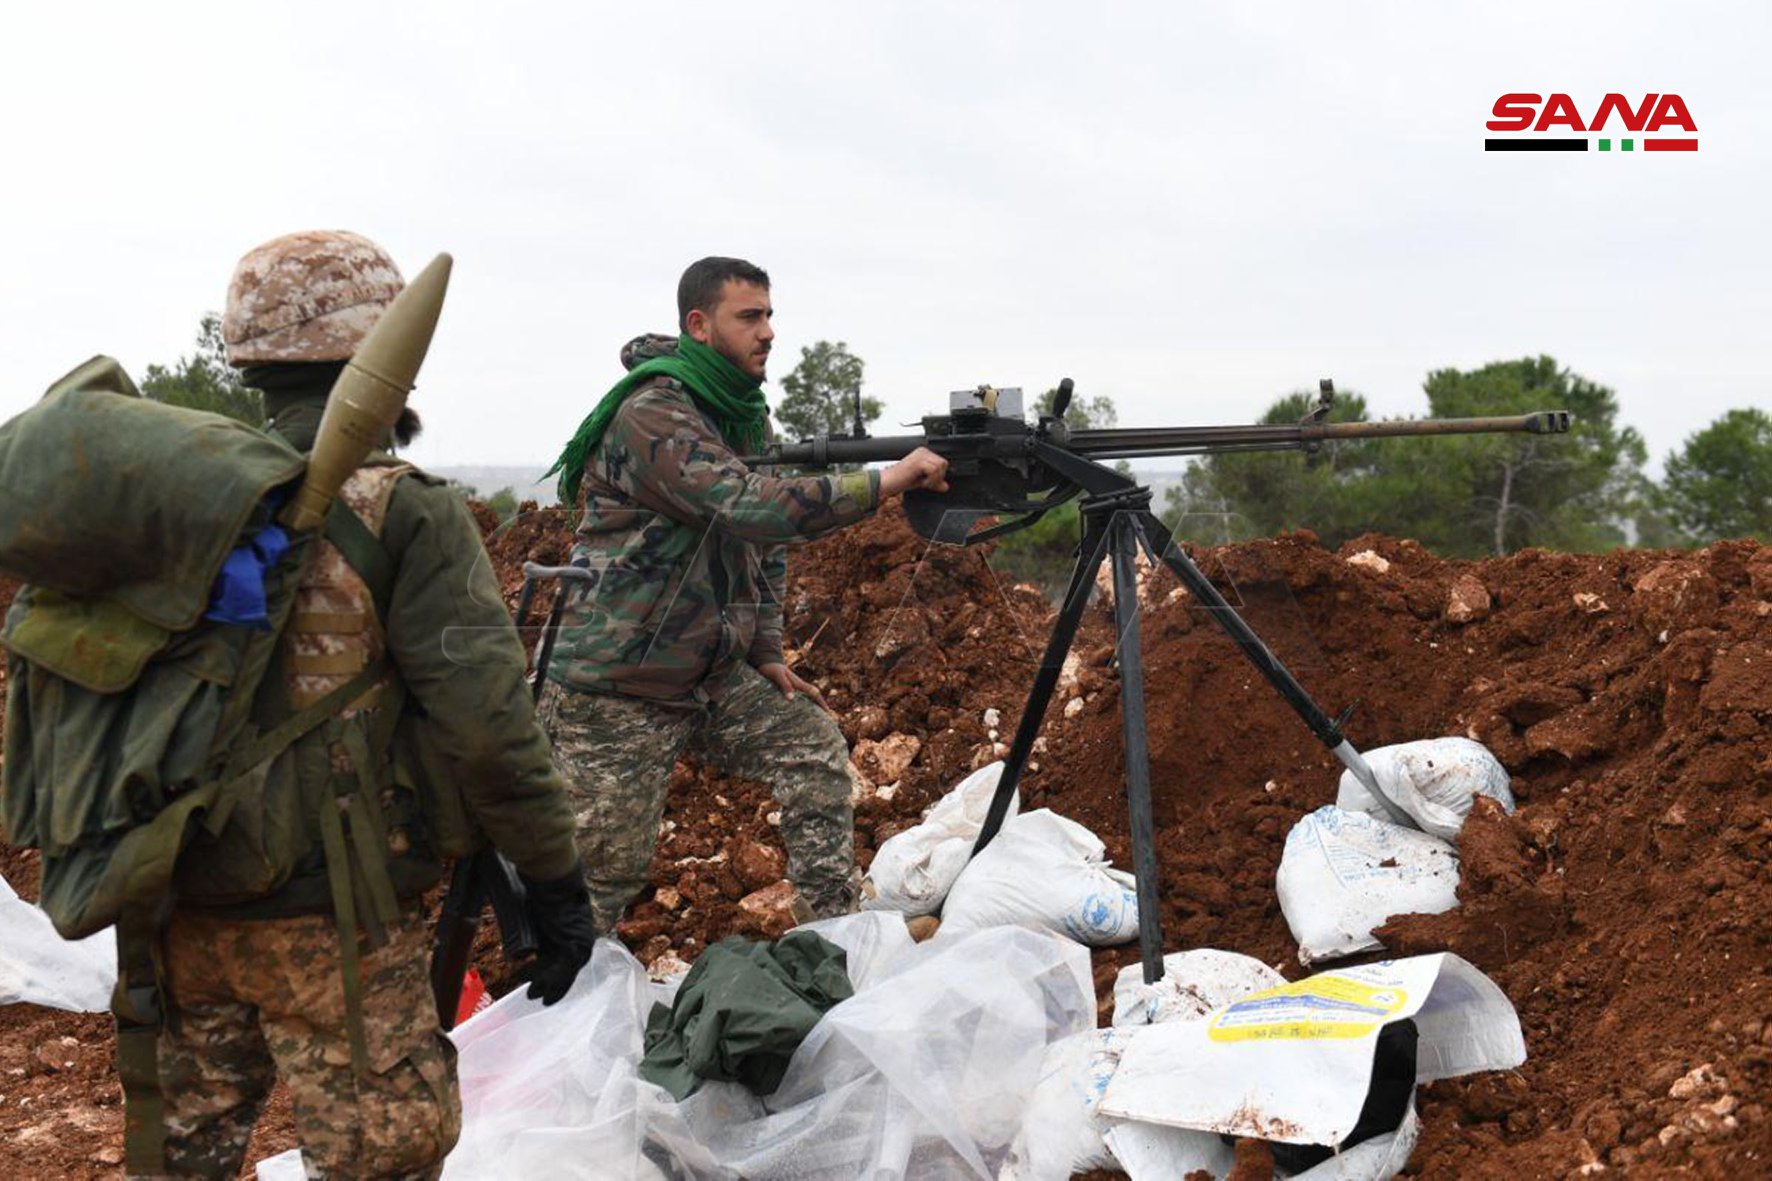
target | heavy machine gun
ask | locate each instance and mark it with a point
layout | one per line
(1001, 466)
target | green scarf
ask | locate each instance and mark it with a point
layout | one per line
(725, 391)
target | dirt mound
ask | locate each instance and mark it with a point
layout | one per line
(1621, 908)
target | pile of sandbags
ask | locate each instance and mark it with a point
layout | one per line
(1347, 868)
(1041, 871)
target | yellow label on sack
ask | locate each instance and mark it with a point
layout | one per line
(1320, 1007)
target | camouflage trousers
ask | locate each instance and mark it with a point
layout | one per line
(616, 755)
(248, 1000)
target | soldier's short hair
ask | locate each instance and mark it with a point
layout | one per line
(702, 283)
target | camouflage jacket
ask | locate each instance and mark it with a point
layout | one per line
(687, 549)
(461, 665)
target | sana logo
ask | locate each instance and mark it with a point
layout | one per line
(1540, 118)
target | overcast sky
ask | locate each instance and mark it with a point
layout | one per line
(1191, 208)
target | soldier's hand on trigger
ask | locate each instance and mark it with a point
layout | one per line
(790, 682)
(922, 468)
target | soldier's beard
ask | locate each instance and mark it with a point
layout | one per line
(753, 366)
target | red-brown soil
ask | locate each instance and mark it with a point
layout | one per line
(1621, 908)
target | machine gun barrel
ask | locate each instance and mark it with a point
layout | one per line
(1132, 442)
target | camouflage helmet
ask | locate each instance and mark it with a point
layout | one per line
(311, 296)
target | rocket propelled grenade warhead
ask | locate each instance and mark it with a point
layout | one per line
(369, 395)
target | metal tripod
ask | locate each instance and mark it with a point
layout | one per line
(1116, 521)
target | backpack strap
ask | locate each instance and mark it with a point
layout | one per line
(364, 551)
(136, 1003)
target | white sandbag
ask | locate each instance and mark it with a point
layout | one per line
(1298, 1059)
(39, 966)
(1049, 873)
(1434, 781)
(912, 871)
(1377, 1159)
(1060, 1132)
(1344, 873)
(1155, 1152)
(924, 1072)
(1194, 983)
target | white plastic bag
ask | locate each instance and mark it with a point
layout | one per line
(1298, 1059)
(1048, 873)
(552, 1091)
(875, 944)
(925, 1072)
(912, 871)
(1060, 1133)
(1194, 983)
(1434, 781)
(1344, 873)
(39, 966)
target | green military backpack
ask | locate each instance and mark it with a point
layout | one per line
(135, 724)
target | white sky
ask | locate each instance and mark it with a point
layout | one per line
(1190, 208)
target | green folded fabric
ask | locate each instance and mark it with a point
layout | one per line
(742, 1011)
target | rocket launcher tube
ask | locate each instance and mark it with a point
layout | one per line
(369, 395)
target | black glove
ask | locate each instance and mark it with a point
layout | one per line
(564, 931)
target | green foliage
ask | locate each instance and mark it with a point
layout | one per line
(1719, 484)
(1043, 553)
(1461, 496)
(1261, 493)
(820, 393)
(205, 380)
(504, 503)
(1499, 493)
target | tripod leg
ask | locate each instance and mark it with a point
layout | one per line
(1138, 764)
(1326, 729)
(1064, 630)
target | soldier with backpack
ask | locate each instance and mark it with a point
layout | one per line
(292, 941)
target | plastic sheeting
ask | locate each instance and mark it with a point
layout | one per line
(39, 966)
(924, 1073)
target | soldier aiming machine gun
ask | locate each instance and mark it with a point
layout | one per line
(1000, 466)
